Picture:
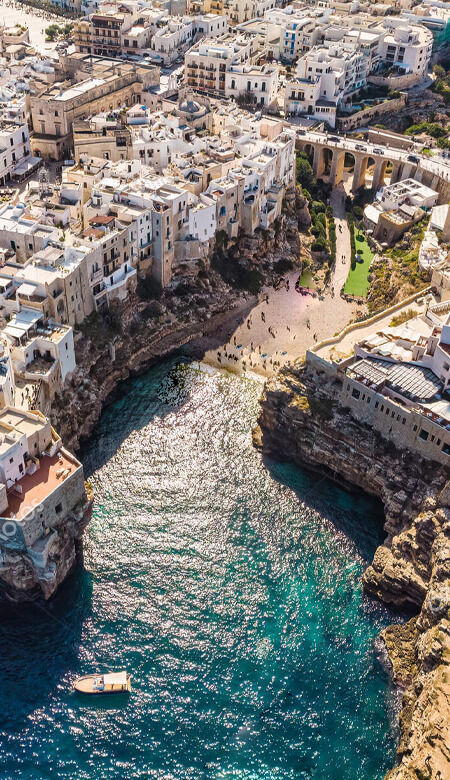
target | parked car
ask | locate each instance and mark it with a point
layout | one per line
(334, 138)
(413, 158)
(377, 150)
(361, 147)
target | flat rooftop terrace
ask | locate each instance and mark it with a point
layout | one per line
(36, 487)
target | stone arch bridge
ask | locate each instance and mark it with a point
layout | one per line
(328, 154)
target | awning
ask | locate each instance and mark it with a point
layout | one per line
(26, 166)
(115, 678)
(26, 289)
(22, 322)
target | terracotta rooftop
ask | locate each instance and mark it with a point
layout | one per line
(36, 487)
(101, 220)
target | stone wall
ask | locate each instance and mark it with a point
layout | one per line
(53, 510)
(360, 118)
(396, 82)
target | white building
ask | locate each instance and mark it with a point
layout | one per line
(40, 350)
(406, 47)
(171, 40)
(409, 192)
(260, 80)
(207, 62)
(14, 148)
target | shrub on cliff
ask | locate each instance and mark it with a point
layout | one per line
(228, 264)
(283, 265)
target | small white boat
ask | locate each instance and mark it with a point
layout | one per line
(104, 684)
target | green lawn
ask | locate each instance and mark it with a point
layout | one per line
(357, 282)
(306, 279)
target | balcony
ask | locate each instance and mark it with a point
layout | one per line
(96, 275)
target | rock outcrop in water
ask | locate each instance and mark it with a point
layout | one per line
(301, 420)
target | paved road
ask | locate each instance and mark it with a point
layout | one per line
(435, 164)
(344, 347)
(342, 267)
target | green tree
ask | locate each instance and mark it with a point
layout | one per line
(305, 173)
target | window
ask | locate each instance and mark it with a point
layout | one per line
(58, 508)
(446, 449)
(377, 403)
(355, 393)
(423, 434)
(11, 460)
(415, 428)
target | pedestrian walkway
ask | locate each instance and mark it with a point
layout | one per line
(343, 252)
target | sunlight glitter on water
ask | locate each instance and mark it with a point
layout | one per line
(237, 608)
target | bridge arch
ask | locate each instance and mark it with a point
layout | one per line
(309, 150)
(323, 161)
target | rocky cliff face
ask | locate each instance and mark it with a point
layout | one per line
(131, 339)
(301, 420)
(23, 578)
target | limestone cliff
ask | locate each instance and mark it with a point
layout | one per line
(24, 576)
(131, 338)
(301, 420)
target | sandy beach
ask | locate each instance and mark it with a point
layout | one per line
(264, 334)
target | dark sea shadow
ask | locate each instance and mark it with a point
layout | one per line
(134, 406)
(362, 523)
(39, 643)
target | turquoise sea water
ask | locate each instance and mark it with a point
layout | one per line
(237, 608)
